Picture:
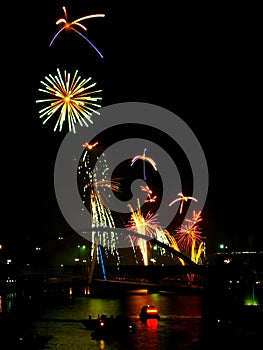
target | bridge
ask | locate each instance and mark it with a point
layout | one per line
(154, 273)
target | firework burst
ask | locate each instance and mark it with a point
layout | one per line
(144, 158)
(149, 194)
(182, 199)
(71, 99)
(93, 196)
(189, 237)
(114, 185)
(70, 26)
(143, 225)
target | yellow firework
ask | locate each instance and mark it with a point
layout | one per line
(70, 98)
(143, 225)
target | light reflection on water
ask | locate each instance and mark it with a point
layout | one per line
(7, 302)
(59, 320)
(178, 326)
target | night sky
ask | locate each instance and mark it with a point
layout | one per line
(199, 61)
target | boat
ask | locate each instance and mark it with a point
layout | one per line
(149, 311)
(108, 327)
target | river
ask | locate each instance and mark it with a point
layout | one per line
(56, 322)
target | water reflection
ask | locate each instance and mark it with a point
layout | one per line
(7, 303)
(59, 320)
(102, 344)
(62, 321)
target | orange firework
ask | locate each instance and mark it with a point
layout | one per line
(112, 184)
(182, 199)
(90, 146)
(70, 26)
(144, 158)
(149, 194)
